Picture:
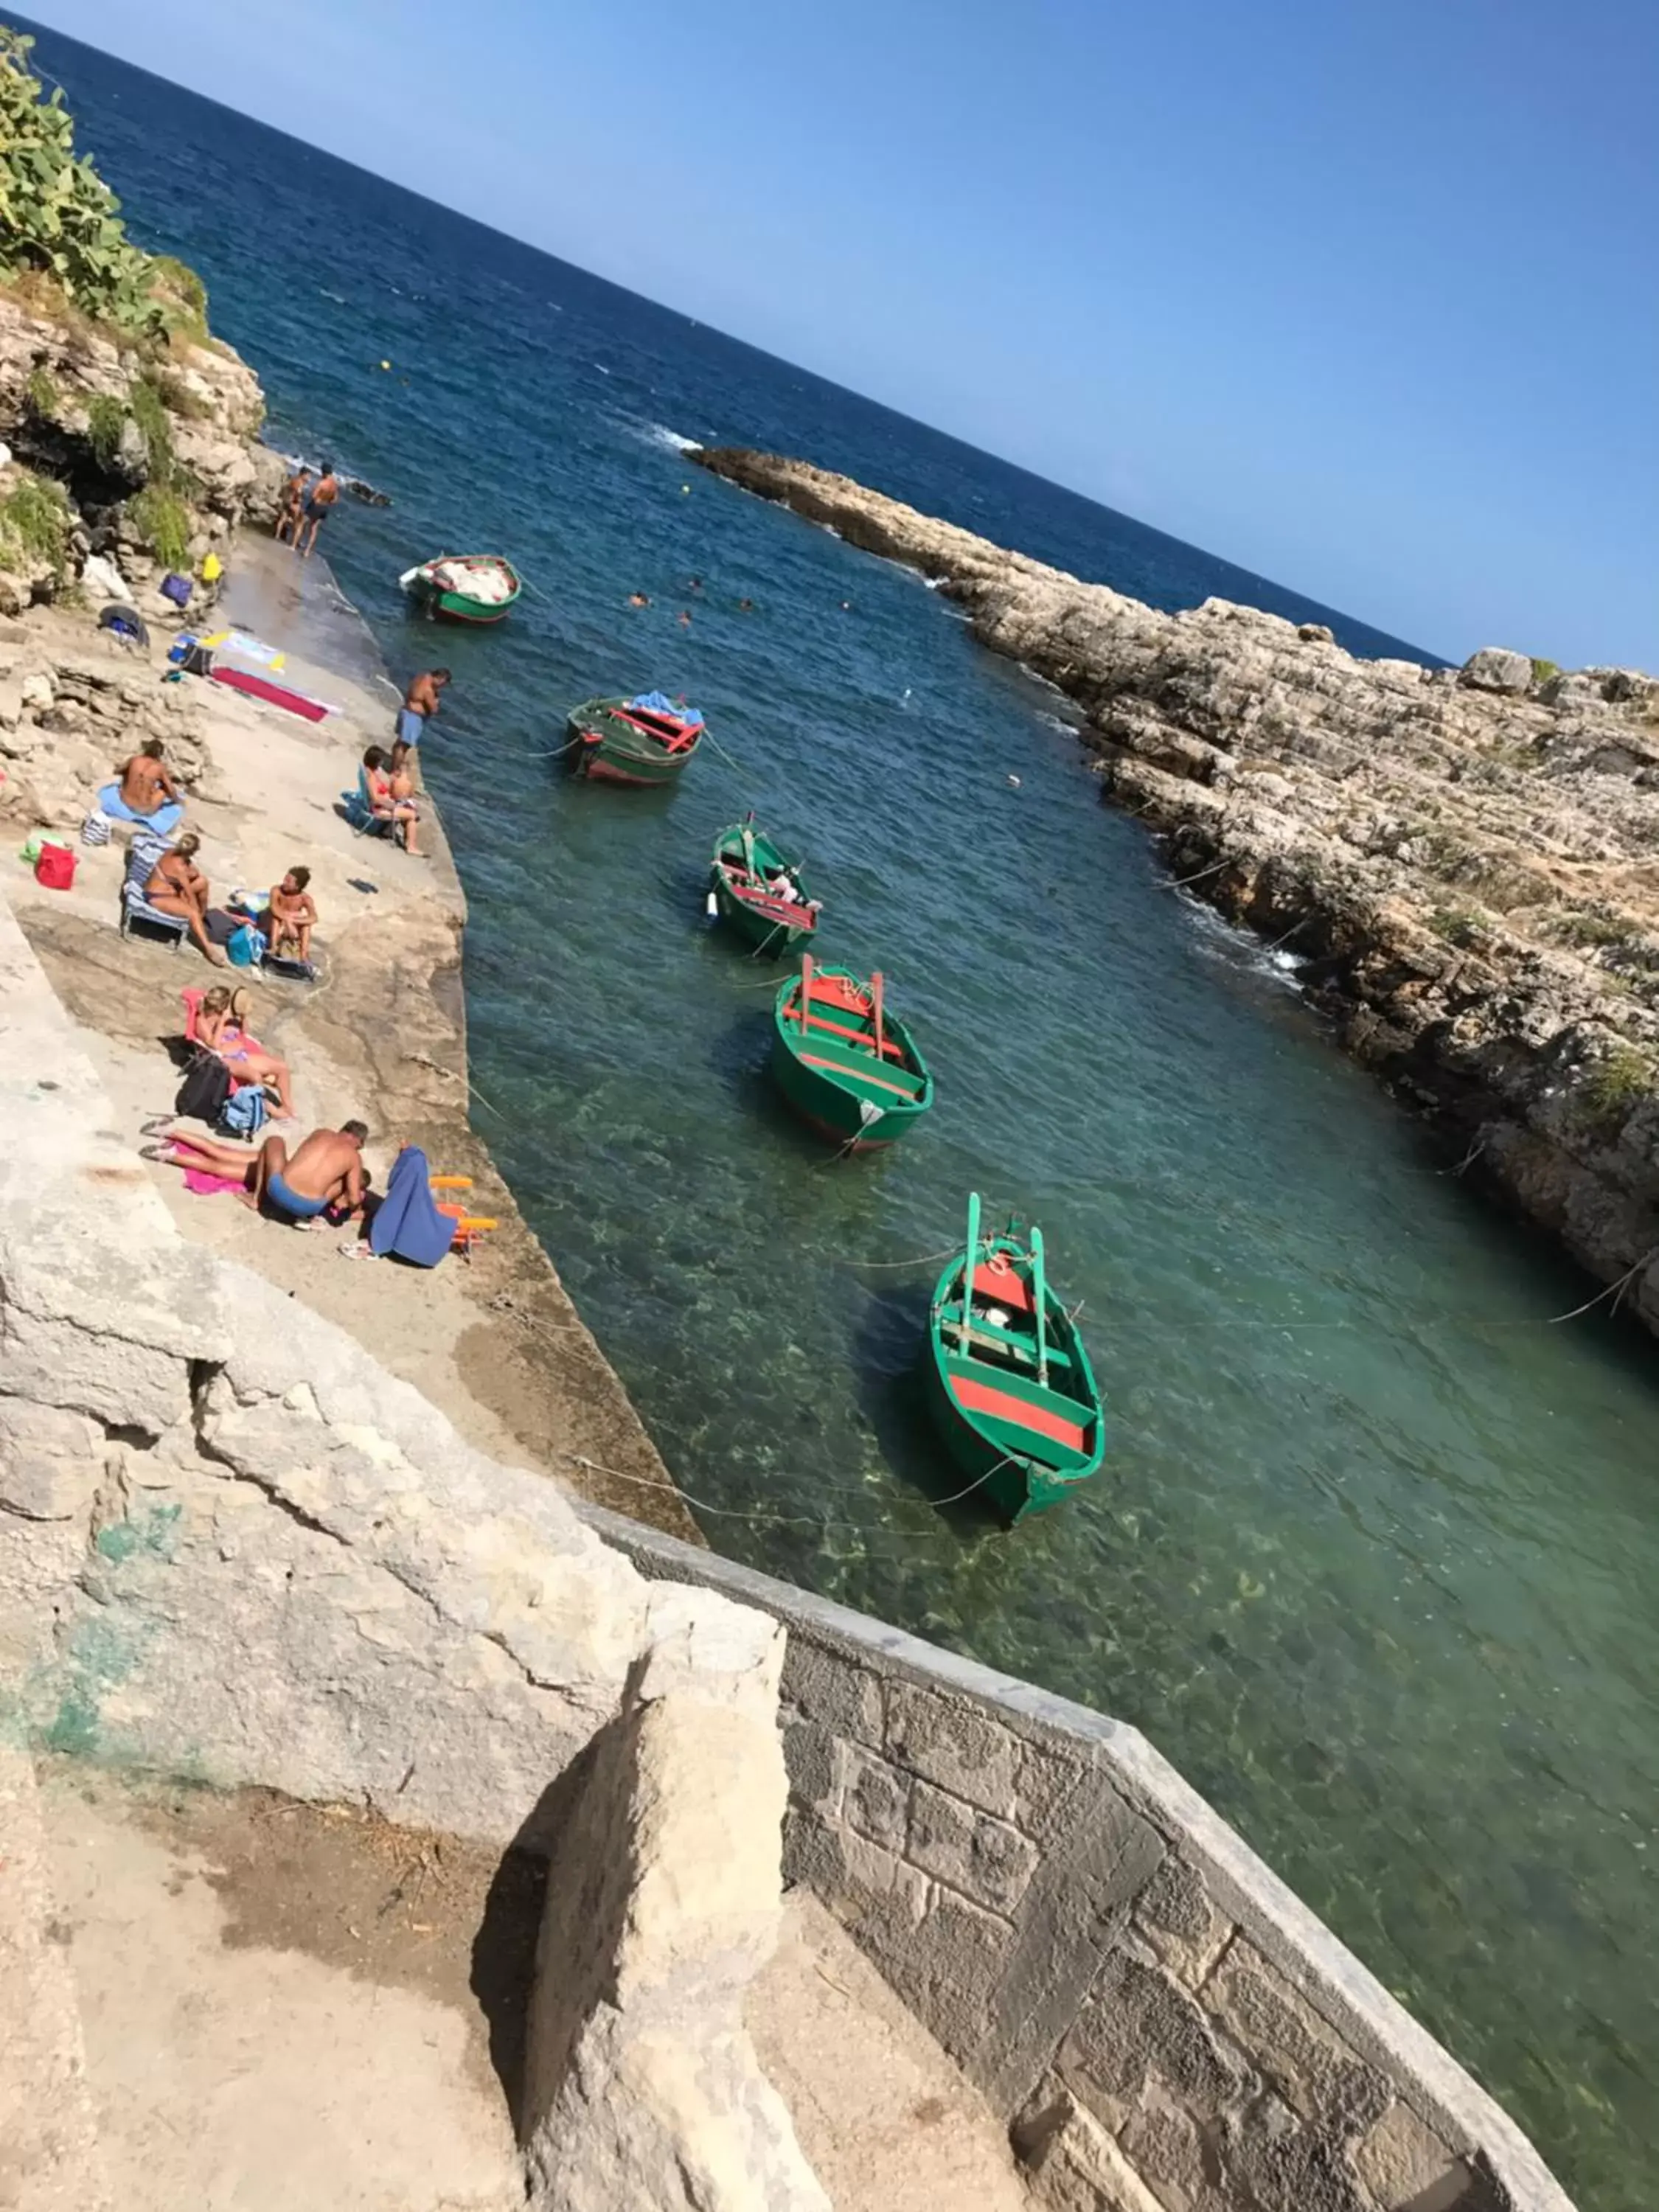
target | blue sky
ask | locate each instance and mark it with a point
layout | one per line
(1358, 292)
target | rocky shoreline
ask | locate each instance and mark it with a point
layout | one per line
(1465, 862)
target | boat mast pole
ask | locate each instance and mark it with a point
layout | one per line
(805, 987)
(875, 989)
(968, 1266)
(1039, 1299)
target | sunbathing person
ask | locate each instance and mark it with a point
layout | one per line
(325, 1169)
(144, 791)
(291, 916)
(383, 804)
(400, 769)
(222, 1026)
(178, 886)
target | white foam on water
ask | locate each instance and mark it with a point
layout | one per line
(1241, 948)
(658, 434)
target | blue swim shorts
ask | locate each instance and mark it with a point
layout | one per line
(293, 1203)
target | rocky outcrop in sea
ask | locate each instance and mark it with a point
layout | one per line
(1465, 861)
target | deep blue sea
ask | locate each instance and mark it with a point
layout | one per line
(1374, 1557)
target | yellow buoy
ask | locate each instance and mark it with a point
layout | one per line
(385, 364)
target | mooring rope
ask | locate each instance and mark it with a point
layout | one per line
(784, 1520)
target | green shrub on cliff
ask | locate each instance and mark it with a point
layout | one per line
(60, 224)
(1455, 924)
(1618, 1082)
(107, 418)
(149, 411)
(163, 520)
(34, 522)
(42, 395)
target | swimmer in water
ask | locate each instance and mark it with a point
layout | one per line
(638, 599)
(685, 619)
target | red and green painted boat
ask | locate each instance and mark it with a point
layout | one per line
(754, 890)
(465, 587)
(848, 1069)
(647, 740)
(1009, 1381)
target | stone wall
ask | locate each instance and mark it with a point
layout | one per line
(1162, 2024)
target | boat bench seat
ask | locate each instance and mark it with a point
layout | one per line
(1008, 1340)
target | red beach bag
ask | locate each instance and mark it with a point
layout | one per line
(56, 867)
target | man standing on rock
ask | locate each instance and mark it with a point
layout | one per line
(324, 493)
(422, 698)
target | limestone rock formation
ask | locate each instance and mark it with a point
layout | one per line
(642, 2085)
(1467, 863)
(67, 719)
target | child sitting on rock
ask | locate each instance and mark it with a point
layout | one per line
(291, 916)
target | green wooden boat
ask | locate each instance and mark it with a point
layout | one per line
(841, 1061)
(624, 741)
(754, 890)
(1009, 1381)
(465, 587)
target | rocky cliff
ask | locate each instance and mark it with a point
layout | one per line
(146, 457)
(1467, 860)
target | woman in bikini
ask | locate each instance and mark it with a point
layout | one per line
(177, 885)
(293, 505)
(222, 1026)
(385, 803)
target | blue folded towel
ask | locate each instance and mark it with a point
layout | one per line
(407, 1225)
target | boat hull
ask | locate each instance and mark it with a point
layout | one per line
(450, 606)
(1014, 1486)
(859, 1103)
(1026, 1438)
(831, 1112)
(439, 604)
(744, 859)
(606, 753)
(759, 926)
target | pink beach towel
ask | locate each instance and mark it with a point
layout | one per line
(205, 1183)
(275, 695)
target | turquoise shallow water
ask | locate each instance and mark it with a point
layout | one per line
(1374, 1558)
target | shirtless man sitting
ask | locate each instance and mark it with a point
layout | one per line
(325, 1169)
(178, 886)
(292, 915)
(144, 791)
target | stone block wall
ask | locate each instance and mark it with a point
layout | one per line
(1162, 2024)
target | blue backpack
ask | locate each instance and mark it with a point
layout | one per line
(244, 1113)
